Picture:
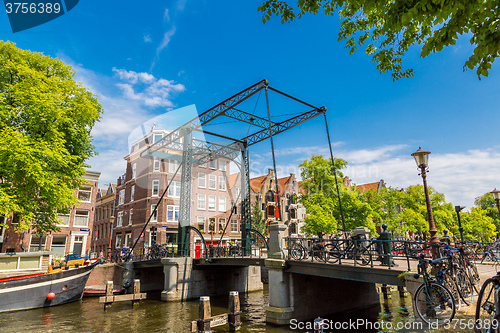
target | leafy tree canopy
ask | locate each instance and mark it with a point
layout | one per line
(387, 29)
(487, 203)
(478, 225)
(258, 222)
(45, 123)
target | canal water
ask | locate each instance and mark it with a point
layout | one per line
(88, 315)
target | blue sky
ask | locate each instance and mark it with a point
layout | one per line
(143, 59)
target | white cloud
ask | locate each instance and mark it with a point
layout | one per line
(147, 38)
(166, 16)
(165, 41)
(145, 88)
(111, 165)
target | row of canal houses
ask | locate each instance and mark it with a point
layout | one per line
(111, 217)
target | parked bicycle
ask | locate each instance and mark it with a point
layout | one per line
(353, 248)
(487, 318)
(158, 251)
(434, 303)
(316, 250)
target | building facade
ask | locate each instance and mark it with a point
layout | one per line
(75, 228)
(103, 219)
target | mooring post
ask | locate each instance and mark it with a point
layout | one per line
(137, 290)
(386, 290)
(109, 293)
(234, 316)
(402, 292)
(204, 315)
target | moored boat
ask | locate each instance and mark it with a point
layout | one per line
(43, 290)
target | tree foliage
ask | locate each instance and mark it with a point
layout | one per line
(258, 221)
(387, 29)
(488, 204)
(478, 225)
(45, 123)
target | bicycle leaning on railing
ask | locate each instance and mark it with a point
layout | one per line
(433, 302)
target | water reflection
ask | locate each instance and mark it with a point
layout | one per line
(155, 316)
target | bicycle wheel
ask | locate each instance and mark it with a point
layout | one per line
(318, 252)
(434, 303)
(486, 308)
(465, 286)
(333, 252)
(297, 251)
(473, 275)
(452, 286)
(363, 256)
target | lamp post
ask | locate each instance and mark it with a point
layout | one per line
(496, 196)
(458, 209)
(421, 158)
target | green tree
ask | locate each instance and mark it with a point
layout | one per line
(387, 29)
(478, 225)
(258, 221)
(45, 123)
(487, 203)
(321, 200)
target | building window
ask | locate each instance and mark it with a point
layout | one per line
(212, 182)
(174, 190)
(293, 214)
(222, 225)
(132, 193)
(202, 203)
(37, 243)
(201, 223)
(119, 219)
(212, 164)
(58, 246)
(211, 202)
(85, 193)
(222, 165)
(222, 204)
(81, 218)
(156, 165)
(15, 218)
(121, 197)
(154, 216)
(134, 168)
(222, 183)
(270, 211)
(234, 225)
(131, 213)
(172, 213)
(172, 166)
(118, 240)
(128, 240)
(202, 180)
(156, 188)
(78, 245)
(211, 224)
(158, 137)
(64, 219)
(293, 228)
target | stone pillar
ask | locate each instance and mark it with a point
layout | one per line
(170, 270)
(234, 316)
(205, 314)
(276, 235)
(279, 311)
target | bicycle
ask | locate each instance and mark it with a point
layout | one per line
(317, 251)
(352, 248)
(487, 319)
(434, 303)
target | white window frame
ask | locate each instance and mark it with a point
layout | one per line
(214, 162)
(86, 189)
(119, 219)
(130, 214)
(222, 165)
(174, 190)
(172, 166)
(154, 218)
(202, 202)
(77, 215)
(222, 204)
(62, 218)
(201, 220)
(121, 197)
(212, 198)
(223, 226)
(222, 183)
(155, 185)
(212, 179)
(132, 193)
(202, 180)
(156, 165)
(134, 169)
(234, 225)
(173, 209)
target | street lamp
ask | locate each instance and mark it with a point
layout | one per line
(496, 196)
(458, 209)
(421, 158)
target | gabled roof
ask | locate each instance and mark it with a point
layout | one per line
(370, 186)
(282, 183)
(257, 183)
(232, 179)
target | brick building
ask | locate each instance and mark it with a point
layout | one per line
(74, 236)
(104, 212)
(138, 192)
